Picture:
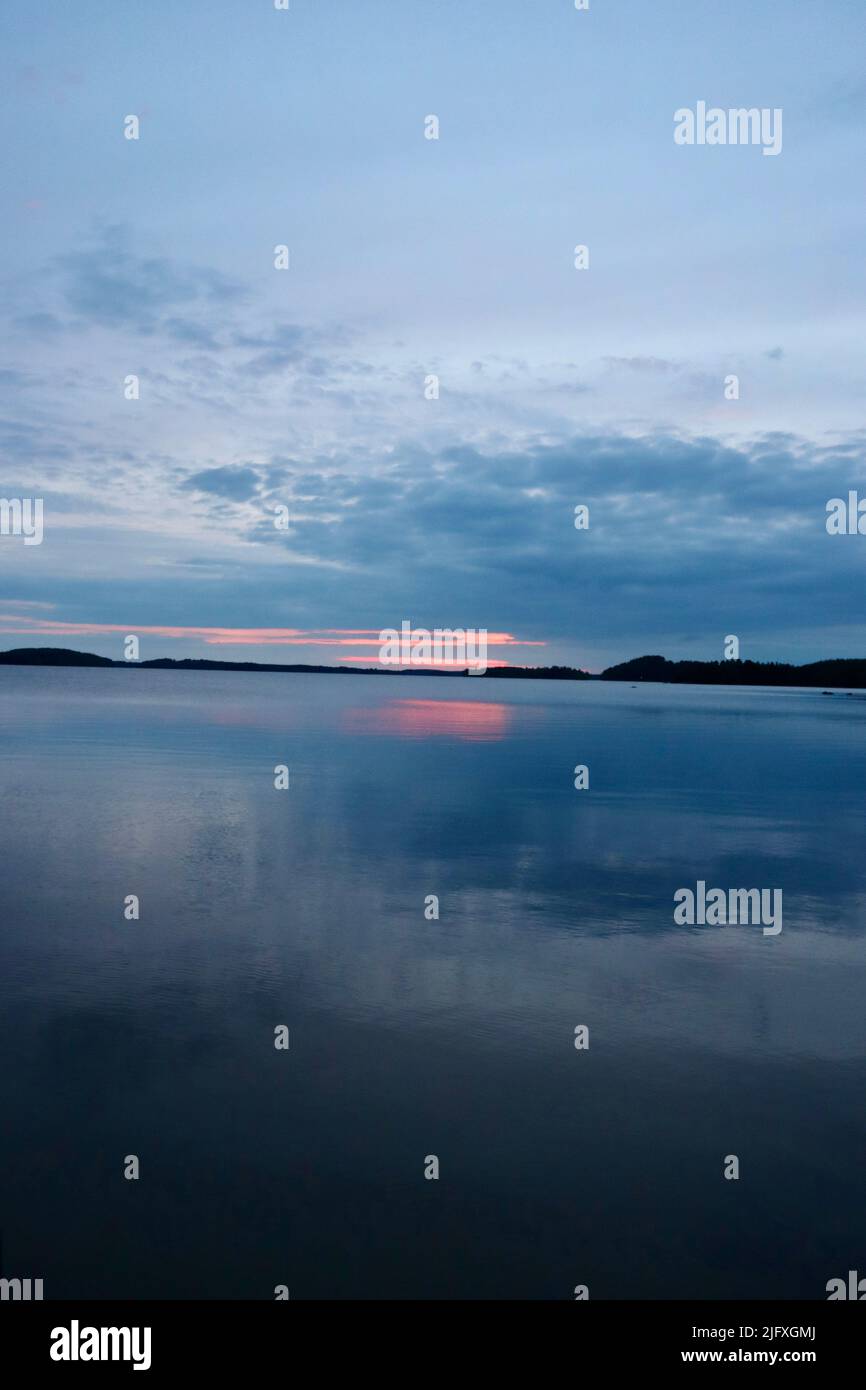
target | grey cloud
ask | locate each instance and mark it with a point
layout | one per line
(111, 286)
(293, 346)
(39, 323)
(641, 364)
(683, 530)
(237, 484)
(186, 331)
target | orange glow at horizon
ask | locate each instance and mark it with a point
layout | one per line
(458, 664)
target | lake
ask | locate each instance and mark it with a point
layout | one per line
(412, 1036)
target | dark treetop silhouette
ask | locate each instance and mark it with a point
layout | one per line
(843, 671)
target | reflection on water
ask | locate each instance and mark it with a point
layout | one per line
(474, 720)
(412, 1036)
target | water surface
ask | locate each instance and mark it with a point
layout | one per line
(412, 1037)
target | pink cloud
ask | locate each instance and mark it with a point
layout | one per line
(333, 637)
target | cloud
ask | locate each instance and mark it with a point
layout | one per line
(112, 286)
(457, 512)
(40, 322)
(641, 364)
(238, 484)
(283, 346)
(691, 537)
(338, 642)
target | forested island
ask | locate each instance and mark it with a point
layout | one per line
(61, 656)
(837, 672)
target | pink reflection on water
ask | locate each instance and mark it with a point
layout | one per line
(476, 721)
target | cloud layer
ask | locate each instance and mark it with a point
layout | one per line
(432, 387)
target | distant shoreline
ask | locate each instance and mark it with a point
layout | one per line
(838, 672)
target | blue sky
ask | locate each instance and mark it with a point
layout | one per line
(411, 257)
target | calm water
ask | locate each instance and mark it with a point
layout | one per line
(412, 1037)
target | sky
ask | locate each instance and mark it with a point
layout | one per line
(309, 388)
